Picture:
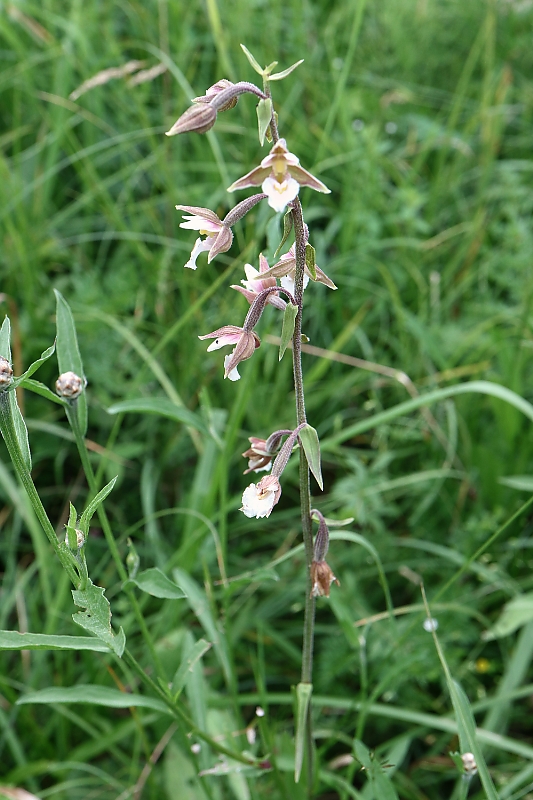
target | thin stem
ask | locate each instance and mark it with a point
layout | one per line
(305, 493)
(72, 417)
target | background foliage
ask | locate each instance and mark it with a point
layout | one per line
(417, 114)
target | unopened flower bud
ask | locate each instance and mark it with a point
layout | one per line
(69, 386)
(6, 374)
(197, 119)
(80, 538)
(215, 90)
(469, 763)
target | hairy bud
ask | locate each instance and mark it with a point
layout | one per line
(69, 386)
(197, 119)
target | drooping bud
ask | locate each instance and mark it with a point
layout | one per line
(197, 119)
(321, 579)
(6, 374)
(69, 386)
(215, 90)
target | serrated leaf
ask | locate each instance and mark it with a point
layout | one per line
(68, 353)
(287, 228)
(97, 616)
(39, 388)
(310, 260)
(35, 366)
(95, 695)
(161, 406)
(93, 505)
(5, 339)
(287, 328)
(264, 116)
(189, 659)
(13, 640)
(303, 699)
(311, 445)
(252, 60)
(278, 76)
(156, 583)
(516, 613)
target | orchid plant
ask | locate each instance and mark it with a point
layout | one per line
(280, 177)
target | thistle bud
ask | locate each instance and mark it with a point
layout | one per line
(197, 119)
(69, 386)
(6, 374)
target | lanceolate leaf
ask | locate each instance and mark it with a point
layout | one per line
(5, 339)
(93, 505)
(287, 228)
(189, 659)
(278, 76)
(35, 366)
(287, 328)
(97, 695)
(303, 698)
(264, 115)
(162, 406)
(68, 353)
(154, 582)
(44, 391)
(97, 616)
(13, 640)
(309, 439)
(310, 260)
(252, 60)
(21, 431)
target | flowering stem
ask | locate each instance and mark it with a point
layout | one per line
(305, 493)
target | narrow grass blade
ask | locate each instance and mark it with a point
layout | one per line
(189, 659)
(303, 700)
(68, 353)
(163, 407)
(95, 695)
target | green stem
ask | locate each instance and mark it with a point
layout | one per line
(305, 492)
(72, 417)
(7, 426)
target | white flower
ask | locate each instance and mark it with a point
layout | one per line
(233, 374)
(280, 177)
(218, 236)
(259, 499)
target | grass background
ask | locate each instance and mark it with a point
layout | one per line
(417, 114)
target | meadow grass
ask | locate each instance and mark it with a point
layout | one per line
(417, 114)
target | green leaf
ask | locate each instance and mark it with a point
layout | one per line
(278, 76)
(287, 228)
(21, 431)
(161, 406)
(287, 328)
(303, 699)
(309, 439)
(180, 776)
(93, 505)
(44, 391)
(13, 640)
(252, 60)
(199, 604)
(97, 616)
(310, 260)
(5, 339)
(190, 658)
(264, 116)
(154, 582)
(35, 366)
(95, 695)
(522, 482)
(517, 612)
(68, 353)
